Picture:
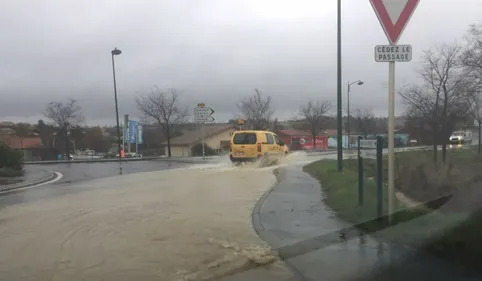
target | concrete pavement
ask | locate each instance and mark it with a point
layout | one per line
(293, 219)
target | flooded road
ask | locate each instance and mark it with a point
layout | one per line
(191, 223)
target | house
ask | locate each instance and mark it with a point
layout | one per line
(30, 146)
(216, 137)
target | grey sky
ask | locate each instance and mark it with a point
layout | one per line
(215, 51)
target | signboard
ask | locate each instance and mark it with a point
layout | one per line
(368, 144)
(394, 16)
(369, 153)
(140, 139)
(388, 53)
(203, 114)
(132, 131)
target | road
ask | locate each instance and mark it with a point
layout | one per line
(198, 216)
(80, 172)
(191, 222)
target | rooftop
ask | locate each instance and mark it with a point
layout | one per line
(193, 134)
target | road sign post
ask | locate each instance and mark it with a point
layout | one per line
(202, 114)
(393, 16)
(360, 173)
(380, 177)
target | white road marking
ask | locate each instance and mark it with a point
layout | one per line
(59, 176)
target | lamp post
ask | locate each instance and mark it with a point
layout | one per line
(359, 83)
(339, 93)
(116, 52)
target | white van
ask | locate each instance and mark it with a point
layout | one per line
(461, 137)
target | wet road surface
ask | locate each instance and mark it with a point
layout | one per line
(178, 224)
(80, 172)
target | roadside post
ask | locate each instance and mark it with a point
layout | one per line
(360, 173)
(125, 138)
(369, 151)
(202, 115)
(393, 16)
(380, 177)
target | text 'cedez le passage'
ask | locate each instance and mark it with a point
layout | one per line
(394, 52)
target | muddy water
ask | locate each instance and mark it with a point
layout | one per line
(183, 224)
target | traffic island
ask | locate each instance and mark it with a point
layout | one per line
(446, 225)
(31, 176)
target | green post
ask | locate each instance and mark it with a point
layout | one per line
(380, 177)
(360, 174)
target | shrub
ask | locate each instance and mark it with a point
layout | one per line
(11, 161)
(197, 150)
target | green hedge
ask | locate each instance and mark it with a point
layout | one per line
(11, 161)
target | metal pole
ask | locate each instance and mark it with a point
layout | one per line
(360, 173)
(348, 115)
(129, 140)
(379, 178)
(391, 139)
(202, 133)
(339, 93)
(137, 137)
(117, 115)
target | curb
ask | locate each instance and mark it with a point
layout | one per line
(258, 226)
(110, 160)
(27, 184)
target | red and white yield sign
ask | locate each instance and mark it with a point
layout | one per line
(394, 16)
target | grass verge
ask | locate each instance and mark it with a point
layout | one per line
(451, 235)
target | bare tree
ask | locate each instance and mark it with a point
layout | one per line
(474, 96)
(472, 54)
(314, 115)
(365, 121)
(257, 110)
(422, 113)
(162, 108)
(65, 116)
(443, 73)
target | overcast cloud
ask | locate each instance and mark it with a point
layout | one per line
(215, 51)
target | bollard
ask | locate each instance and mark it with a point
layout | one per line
(360, 173)
(380, 177)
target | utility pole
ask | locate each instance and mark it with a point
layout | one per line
(339, 93)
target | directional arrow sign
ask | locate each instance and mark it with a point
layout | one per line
(394, 16)
(203, 115)
(203, 111)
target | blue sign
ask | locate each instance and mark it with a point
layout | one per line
(139, 133)
(134, 131)
(131, 136)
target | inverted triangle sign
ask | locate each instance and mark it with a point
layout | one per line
(394, 16)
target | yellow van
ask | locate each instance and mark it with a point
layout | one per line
(255, 145)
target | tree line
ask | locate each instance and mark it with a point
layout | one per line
(449, 96)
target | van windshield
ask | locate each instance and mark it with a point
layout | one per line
(244, 138)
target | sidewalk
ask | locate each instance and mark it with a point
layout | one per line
(33, 176)
(308, 237)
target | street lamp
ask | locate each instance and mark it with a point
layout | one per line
(116, 52)
(359, 83)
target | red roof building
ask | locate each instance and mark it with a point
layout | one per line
(22, 143)
(301, 140)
